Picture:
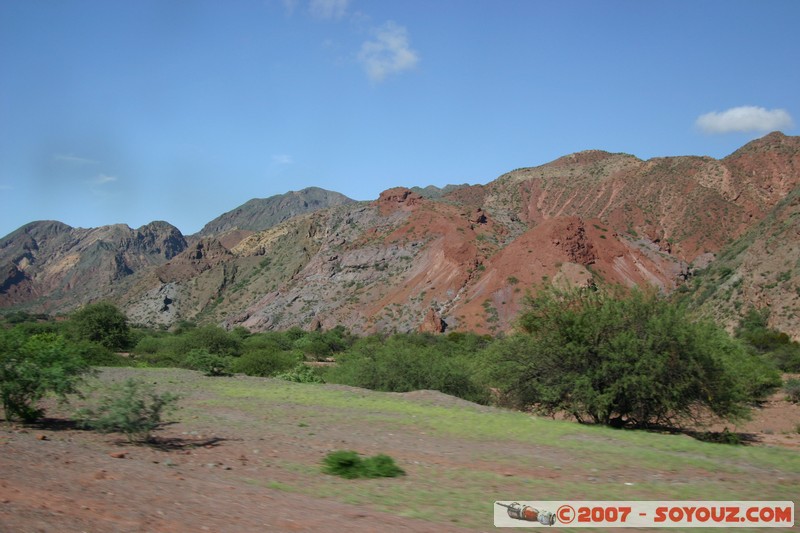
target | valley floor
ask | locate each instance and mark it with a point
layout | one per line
(244, 455)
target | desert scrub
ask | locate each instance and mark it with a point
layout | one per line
(792, 390)
(34, 367)
(133, 408)
(208, 363)
(301, 373)
(348, 464)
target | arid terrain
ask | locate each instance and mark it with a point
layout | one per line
(243, 454)
(457, 259)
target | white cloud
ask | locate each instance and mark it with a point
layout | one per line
(282, 159)
(388, 53)
(328, 9)
(69, 158)
(102, 179)
(744, 118)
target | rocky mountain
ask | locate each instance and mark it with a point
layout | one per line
(433, 192)
(263, 213)
(51, 266)
(463, 258)
(759, 270)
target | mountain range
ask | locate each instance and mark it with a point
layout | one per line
(453, 259)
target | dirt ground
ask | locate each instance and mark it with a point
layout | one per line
(203, 473)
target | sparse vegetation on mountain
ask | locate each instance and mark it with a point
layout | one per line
(406, 263)
(769, 343)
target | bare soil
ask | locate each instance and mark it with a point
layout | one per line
(221, 468)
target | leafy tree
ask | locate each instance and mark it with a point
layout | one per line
(102, 323)
(635, 361)
(33, 367)
(214, 339)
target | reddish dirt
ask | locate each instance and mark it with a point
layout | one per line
(776, 422)
(70, 480)
(226, 474)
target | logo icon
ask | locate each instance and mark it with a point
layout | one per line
(527, 513)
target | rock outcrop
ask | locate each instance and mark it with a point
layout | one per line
(457, 259)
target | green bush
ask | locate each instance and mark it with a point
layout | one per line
(33, 367)
(213, 339)
(343, 463)
(410, 362)
(98, 355)
(132, 408)
(792, 390)
(380, 466)
(265, 362)
(625, 361)
(349, 464)
(208, 363)
(149, 345)
(301, 373)
(771, 344)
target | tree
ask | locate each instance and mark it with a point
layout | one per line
(625, 361)
(102, 323)
(31, 368)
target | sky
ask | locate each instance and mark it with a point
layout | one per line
(180, 110)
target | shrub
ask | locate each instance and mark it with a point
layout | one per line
(132, 408)
(31, 368)
(792, 390)
(410, 362)
(349, 464)
(343, 463)
(635, 361)
(213, 339)
(301, 373)
(148, 345)
(380, 466)
(265, 362)
(98, 355)
(771, 344)
(208, 363)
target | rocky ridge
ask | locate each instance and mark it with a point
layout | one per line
(464, 258)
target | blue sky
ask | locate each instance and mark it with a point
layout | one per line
(179, 110)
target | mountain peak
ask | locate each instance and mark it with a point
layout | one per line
(262, 213)
(774, 141)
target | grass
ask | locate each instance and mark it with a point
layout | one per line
(482, 424)
(480, 454)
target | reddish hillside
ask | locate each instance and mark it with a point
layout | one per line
(460, 259)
